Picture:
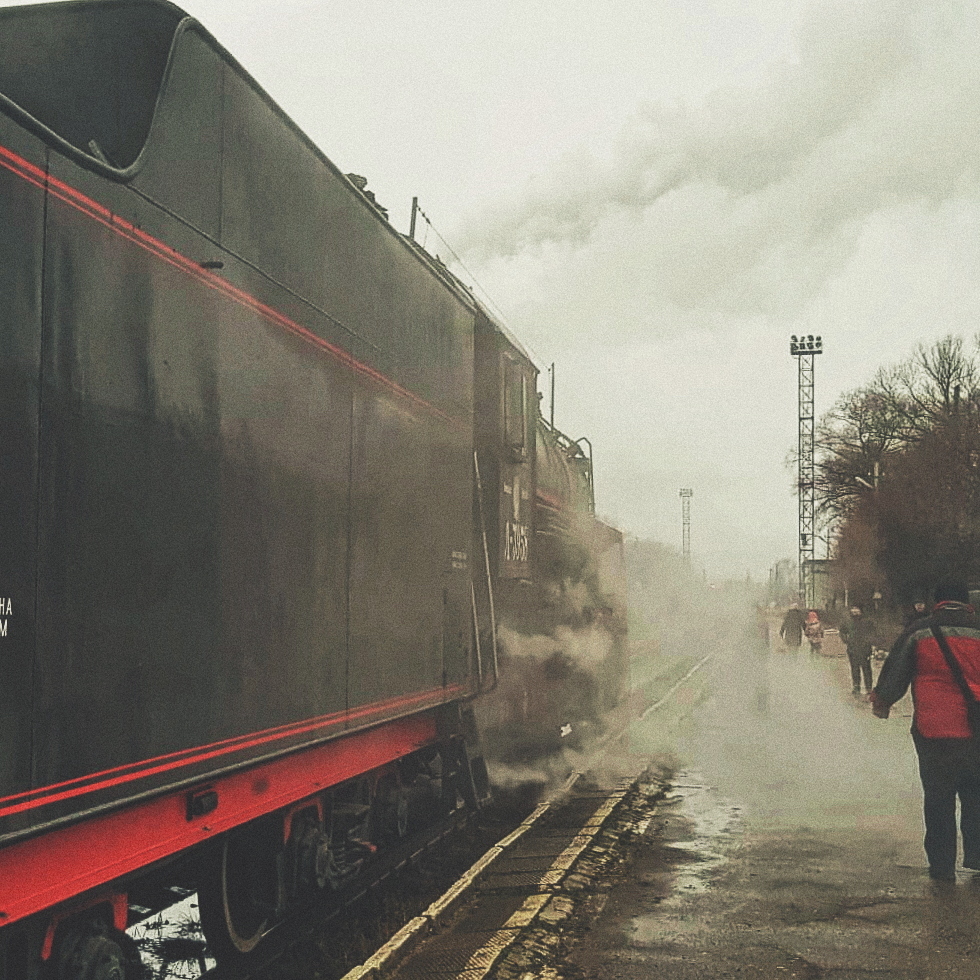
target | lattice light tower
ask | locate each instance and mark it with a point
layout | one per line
(686, 494)
(805, 349)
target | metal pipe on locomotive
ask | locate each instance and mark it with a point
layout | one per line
(268, 481)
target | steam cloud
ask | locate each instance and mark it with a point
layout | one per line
(748, 202)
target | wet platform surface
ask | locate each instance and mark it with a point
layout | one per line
(790, 845)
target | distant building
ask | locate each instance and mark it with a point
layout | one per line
(825, 594)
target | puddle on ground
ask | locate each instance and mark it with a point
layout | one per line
(715, 825)
(700, 829)
(172, 944)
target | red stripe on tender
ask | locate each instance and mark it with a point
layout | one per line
(187, 757)
(98, 212)
(39, 873)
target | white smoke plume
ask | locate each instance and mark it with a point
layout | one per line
(554, 693)
(587, 647)
(749, 201)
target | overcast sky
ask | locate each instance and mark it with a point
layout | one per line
(657, 196)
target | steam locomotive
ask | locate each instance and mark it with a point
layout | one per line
(277, 505)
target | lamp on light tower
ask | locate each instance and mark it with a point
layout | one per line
(805, 349)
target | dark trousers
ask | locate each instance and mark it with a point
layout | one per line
(949, 767)
(860, 664)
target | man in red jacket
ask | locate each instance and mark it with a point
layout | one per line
(949, 754)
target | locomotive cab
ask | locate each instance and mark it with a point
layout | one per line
(505, 382)
(556, 572)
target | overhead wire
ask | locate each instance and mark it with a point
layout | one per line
(488, 299)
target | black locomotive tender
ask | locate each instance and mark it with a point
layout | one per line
(269, 480)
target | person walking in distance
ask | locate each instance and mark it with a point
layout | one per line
(858, 636)
(792, 629)
(939, 657)
(814, 631)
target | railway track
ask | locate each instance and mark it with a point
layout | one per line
(517, 882)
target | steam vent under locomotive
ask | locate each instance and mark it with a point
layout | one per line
(277, 507)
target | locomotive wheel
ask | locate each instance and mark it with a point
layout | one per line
(233, 916)
(93, 953)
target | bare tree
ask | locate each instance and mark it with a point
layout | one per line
(855, 442)
(898, 470)
(933, 384)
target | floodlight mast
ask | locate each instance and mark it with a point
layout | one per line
(685, 494)
(805, 348)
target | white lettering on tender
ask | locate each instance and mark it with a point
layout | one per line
(516, 542)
